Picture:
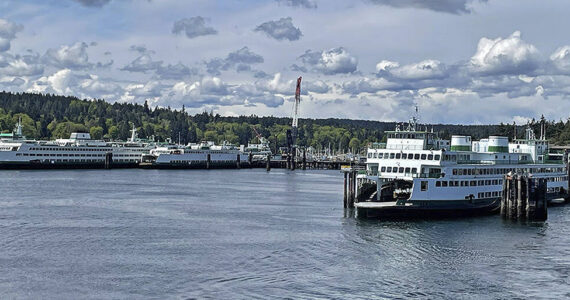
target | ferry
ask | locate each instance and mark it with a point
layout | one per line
(199, 156)
(415, 173)
(259, 151)
(79, 151)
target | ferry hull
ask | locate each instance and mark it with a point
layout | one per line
(427, 209)
(70, 165)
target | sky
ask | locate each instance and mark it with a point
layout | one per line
(459, 61)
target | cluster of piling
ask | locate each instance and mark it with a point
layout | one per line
(524, 198)
(349, 187)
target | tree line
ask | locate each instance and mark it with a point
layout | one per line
(47, 116)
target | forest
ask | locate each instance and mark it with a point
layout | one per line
(46, 116)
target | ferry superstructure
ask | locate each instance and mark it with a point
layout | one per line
(79, 151)
(415, 170)
(202, 155)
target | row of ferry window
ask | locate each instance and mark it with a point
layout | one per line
(498, 171)
(468, 183)
(398, 170)
(54, 155)
(416, 156)
(69, 149)
(488, 194)
(76, 155)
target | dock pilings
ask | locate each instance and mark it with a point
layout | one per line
(268, 163)
(108, 160)
(524, 198)
(349, 188)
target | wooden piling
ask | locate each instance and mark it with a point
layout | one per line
(250, 159)
(108, 160)
(238, 161)
(208, 161)
(345, 189)
(293, 158)
(268, 163)
(524, 198)
(304, 159)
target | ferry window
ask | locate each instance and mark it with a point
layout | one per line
(454, 172)
(404, 155)
(473, 183)
(410, 156)
(383, 169)
(460, 172)
(389, 170)
(375, 155)
(398, 155)
(395, 170)
(414, 170)
(438, 183)
(437, 157)
(423, 156)
(407, 170)
(462, 183)
(430, 157)
(495, 182)
(444, 183)
(453, 157)
(424, 185)
(487, 182)
(401, 170)
(476, 171)
(480, 195)
(392, 155)
(456, 183)
(369, 155)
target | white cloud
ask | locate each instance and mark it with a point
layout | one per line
(8, 32)
(69, 57)
(330, 62)
(509, 55)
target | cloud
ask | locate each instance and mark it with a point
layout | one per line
(93, 3)
(68, 57)
(298, 3)
(142, 64)
(8, 32)
(447, 6)
(193, 27)
(560, 59)
(177, 71)
(510, 55)
(333, 61)
(20, 65)
(240, 58)
(282, 29)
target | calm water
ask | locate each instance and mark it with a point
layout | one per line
(250, 234)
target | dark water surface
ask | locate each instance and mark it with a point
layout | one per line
(244, 234)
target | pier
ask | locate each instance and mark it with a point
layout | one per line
(524, 198)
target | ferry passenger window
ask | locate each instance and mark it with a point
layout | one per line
(389, 170)
(375, 155)
(430, 157)
(495, 182)
(391, 155)
(401, 170)
(460, 172)
(407, 170)
(398, 155)
(383, 169)
(438, 183)
(394, 170)
(454, 172)
(487, 182)
(444, 183)
(456, 183)
(462, 183)
(424, 185)
(410, 156)
(369, 155)
(423, 156)
(473, 183)
(404, 155)
(414, 170)
(437, 157)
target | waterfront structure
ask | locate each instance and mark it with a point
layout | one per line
(79, 151)
(417, 172)
(202, 155)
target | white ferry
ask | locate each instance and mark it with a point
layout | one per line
(199, 156)
(259, 151)
(79, 151)
(416, 173)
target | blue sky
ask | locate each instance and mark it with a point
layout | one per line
(460, 61)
